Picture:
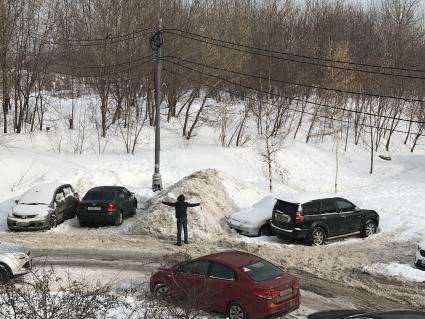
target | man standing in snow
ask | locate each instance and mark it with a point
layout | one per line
(181, 214)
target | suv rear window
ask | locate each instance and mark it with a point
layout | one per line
(98, 195)
(285, 207)
(261, 271)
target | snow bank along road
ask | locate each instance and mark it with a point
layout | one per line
(133, 258)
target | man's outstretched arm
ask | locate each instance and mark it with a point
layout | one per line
(193, 204)
(169, 204)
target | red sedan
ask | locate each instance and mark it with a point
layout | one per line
(236, 283)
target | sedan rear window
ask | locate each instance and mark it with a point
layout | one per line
(261, 271)
(97, 195)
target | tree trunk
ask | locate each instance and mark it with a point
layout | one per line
(6, 97)
(103, 110)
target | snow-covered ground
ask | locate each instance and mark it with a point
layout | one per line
(395, 190)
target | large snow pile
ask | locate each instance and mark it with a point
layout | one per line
(206, 221)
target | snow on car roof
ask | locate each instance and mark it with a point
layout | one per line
(299, 198)
(41, 194)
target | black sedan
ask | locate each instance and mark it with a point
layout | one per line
(106, 204)
(353, 314)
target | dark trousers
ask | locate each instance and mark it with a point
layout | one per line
(181, 223)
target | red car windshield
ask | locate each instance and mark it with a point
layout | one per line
(261, 271)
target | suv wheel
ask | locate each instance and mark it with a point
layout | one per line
(236, 311)
(369, 228)
(4, 274)
(318, 236)
(265, 231)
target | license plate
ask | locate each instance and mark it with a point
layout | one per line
(285, 292)
(22, 223)
(283, 218)
(93, 208)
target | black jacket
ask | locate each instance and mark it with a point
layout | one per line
(181, 207)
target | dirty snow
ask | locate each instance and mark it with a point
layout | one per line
(224, 180)
(206, 221)
(400, 271)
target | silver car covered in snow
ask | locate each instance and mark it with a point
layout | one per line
(15, 260)
(43, 207)
(254, 221)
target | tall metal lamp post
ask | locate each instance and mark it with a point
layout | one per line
(156, 42)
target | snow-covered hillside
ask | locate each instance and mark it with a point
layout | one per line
(395, 190)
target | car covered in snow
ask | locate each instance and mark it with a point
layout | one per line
(15, 260)
(315, 218)
(420, 255)
(43, 206)
(106, 204)
(254, 221)
(236, 283)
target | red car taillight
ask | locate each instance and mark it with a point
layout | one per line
(267, 294)
(111, 208)
(295, 284)
(299, 217)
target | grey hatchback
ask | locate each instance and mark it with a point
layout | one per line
(43, 207)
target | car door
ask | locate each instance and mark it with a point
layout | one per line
(60, 204)
(222, 285)
(190, 285)
(331, 217)
(352, 216)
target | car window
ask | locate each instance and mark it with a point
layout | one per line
(311, 208)
(261, 271)
(285, 207)
(328, 206)
(199, 267)
(345, 206)
(222, 272)
(67, 191)
(121, 195)
(99, 195)
(59, 196)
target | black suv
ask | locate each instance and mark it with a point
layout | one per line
(319, 219)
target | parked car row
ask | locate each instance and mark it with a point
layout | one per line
(311, 218)
(46, 205)
(307, 217)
